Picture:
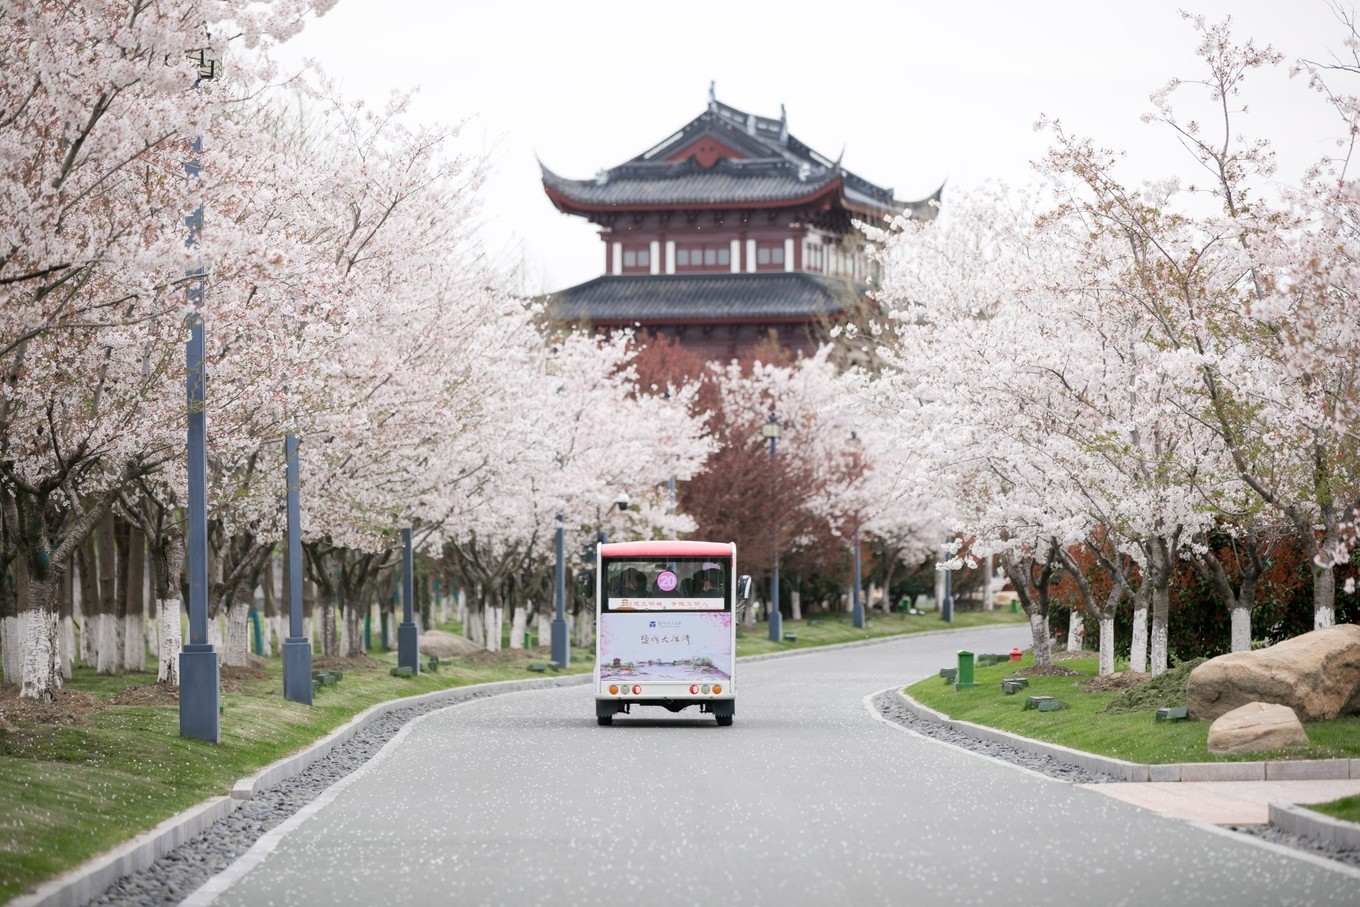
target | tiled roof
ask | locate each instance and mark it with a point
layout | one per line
(776, 167)
(727, 182)
(676, 298)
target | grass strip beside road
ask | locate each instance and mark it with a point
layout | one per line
(1135, 737)
(1347, 809)
(106, 762)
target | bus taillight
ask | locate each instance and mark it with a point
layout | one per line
(637, 690)
(694, 688)
(717, 688)
(614, 689)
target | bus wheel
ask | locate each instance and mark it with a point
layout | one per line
(606, 720)
(724, 720)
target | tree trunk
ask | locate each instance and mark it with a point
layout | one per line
(518, 623)
(988, 584)
(1138, 648)
(67, 636)
(325, 612)
(107, 652)
(236, 646)
(87, 562)
(543, 628)
(11, 649)
(134, 622)
(354, 629)
(1106, 645)
(1076, 630)
(1324, 596)
(1241, 629)
(1039, 635)
(38, 633)
(796, 605)
(169, 639)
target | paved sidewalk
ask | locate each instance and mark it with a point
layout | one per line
(1224, 802)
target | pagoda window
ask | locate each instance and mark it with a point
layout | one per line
(638, 258)
(770, 256)
(707, 257)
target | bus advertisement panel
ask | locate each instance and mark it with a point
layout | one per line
(684, 646)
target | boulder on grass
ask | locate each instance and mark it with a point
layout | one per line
(446, 645)
(1316, 674)
(1256, 727)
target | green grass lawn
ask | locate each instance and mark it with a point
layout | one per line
(1135, 737)
(1347, 809)
(70, 792)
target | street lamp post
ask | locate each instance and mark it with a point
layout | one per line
(297, 649)
(772, 430)
(947, 606)
(857, 615)
(408, 634)
(200, 675)
(561, 651)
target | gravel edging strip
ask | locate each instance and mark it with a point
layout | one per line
(1120, 770)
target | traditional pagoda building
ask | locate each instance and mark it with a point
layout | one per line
(727, 233)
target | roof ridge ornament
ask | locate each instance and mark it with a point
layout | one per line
(783, 126)
(712, 95)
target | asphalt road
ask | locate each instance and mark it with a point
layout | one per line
(807, 799)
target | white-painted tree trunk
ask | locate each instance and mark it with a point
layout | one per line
(153, 642)
(1106, 645)
(519, 620)
(1324, 597)
(169, 638)
(1138, 650)
(988, 584)
(11, 649)
(474, 628)
(278, 626)
(236, 650)
(215, 634)
(582, 626)
(134, 642)
(492, 619)
(1159, 647)
(1241, 629)
(67, 646)
(38, 632)
(543, 629)
(109, 645)
(1076, 630)
(462, 610)
(1039, 633)
(795, 605)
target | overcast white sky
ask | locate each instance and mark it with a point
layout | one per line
(916, 93)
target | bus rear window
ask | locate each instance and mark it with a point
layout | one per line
(670, 584)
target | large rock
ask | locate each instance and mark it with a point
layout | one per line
(446, 645)
(1316, 674)
(1256, 728)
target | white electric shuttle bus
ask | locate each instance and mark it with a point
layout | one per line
(666, 631)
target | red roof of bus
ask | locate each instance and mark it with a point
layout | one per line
(665, 548)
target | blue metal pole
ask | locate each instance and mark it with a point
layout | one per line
(199, 671)
(857, 615)
(561, 650)
(947, 608)
(408, 634)
(297, 649)
(776, 619)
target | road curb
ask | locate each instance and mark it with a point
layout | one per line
(1305, 822)
(82, 884)
(1309, 770)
